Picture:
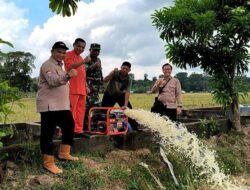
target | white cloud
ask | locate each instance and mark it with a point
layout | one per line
(12, 22)
(123, 28)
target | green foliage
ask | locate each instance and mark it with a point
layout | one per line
(16, 67)
(188, 176)
(2, 55)
(141, 86)
(213, 35)
(228, 161)
(6, 42)
(224, 94)
(141, 179)
(66, 7)
(8, 96)
(111, 174)
(208, 128)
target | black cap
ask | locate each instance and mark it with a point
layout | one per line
(126, 63)
(60, 44)
(95, 46)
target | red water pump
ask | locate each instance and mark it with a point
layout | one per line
(107, 121)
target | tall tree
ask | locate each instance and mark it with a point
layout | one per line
(16, 67)
(212, 34)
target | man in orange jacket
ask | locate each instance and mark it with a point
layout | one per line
(78, 85)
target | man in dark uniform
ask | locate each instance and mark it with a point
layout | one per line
(118, 89)
(94, 79)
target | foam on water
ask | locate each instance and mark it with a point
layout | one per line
(177, 136)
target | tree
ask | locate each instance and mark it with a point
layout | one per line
(34, 84)
(183, 78)
(145, 77)
(197, 82)
(154, 79)
(211, 34)
(66, 7)
(16, 67)
(8, 96)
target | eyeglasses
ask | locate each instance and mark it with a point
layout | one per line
(168, 69)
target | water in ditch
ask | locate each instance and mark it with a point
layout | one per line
(176, 136)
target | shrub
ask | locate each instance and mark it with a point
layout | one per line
(8, 96)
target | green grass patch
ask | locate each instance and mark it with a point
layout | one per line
(139, 101)
(228, 161)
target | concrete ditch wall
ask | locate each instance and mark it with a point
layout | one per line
(28, 132)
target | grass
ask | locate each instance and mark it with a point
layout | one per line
(110, 175)
(25, 114)
(138, 101)
(114, 172)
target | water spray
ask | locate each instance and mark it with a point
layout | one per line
(177, 136)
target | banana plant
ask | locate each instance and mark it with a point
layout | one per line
(64, 7)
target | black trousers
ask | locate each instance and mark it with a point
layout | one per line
(109, 101)
(171, 113)
(49, 121)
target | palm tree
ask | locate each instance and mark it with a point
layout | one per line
(64, 7)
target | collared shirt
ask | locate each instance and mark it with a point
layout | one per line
(171, 94)
(53, 89)
(77, 84)
(118, 86)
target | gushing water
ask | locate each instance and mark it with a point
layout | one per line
(177, 136)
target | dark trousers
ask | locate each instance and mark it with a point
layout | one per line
(49, 121)
(171, 113)
(110, 101)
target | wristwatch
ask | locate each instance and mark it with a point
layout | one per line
(67, 76)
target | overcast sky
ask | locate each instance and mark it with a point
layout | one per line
(122, 27)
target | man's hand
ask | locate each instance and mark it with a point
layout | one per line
(97, 65)
(88, 90)
(87, 59)
(112, 72)
(72, 73)
(178, 110)
(161, 82)
(124, 107)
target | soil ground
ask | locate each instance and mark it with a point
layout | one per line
(126, 159)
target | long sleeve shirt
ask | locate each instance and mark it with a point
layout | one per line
(171, 94)
(53, 89)
(77, 84)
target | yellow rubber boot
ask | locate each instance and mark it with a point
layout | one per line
(64, 153)
(49, 164)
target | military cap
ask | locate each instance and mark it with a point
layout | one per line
(95, 46)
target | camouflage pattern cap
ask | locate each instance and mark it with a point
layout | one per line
(95, 46)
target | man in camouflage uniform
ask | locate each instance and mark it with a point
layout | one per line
(94, 78)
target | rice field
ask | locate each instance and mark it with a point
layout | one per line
(138, 101)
